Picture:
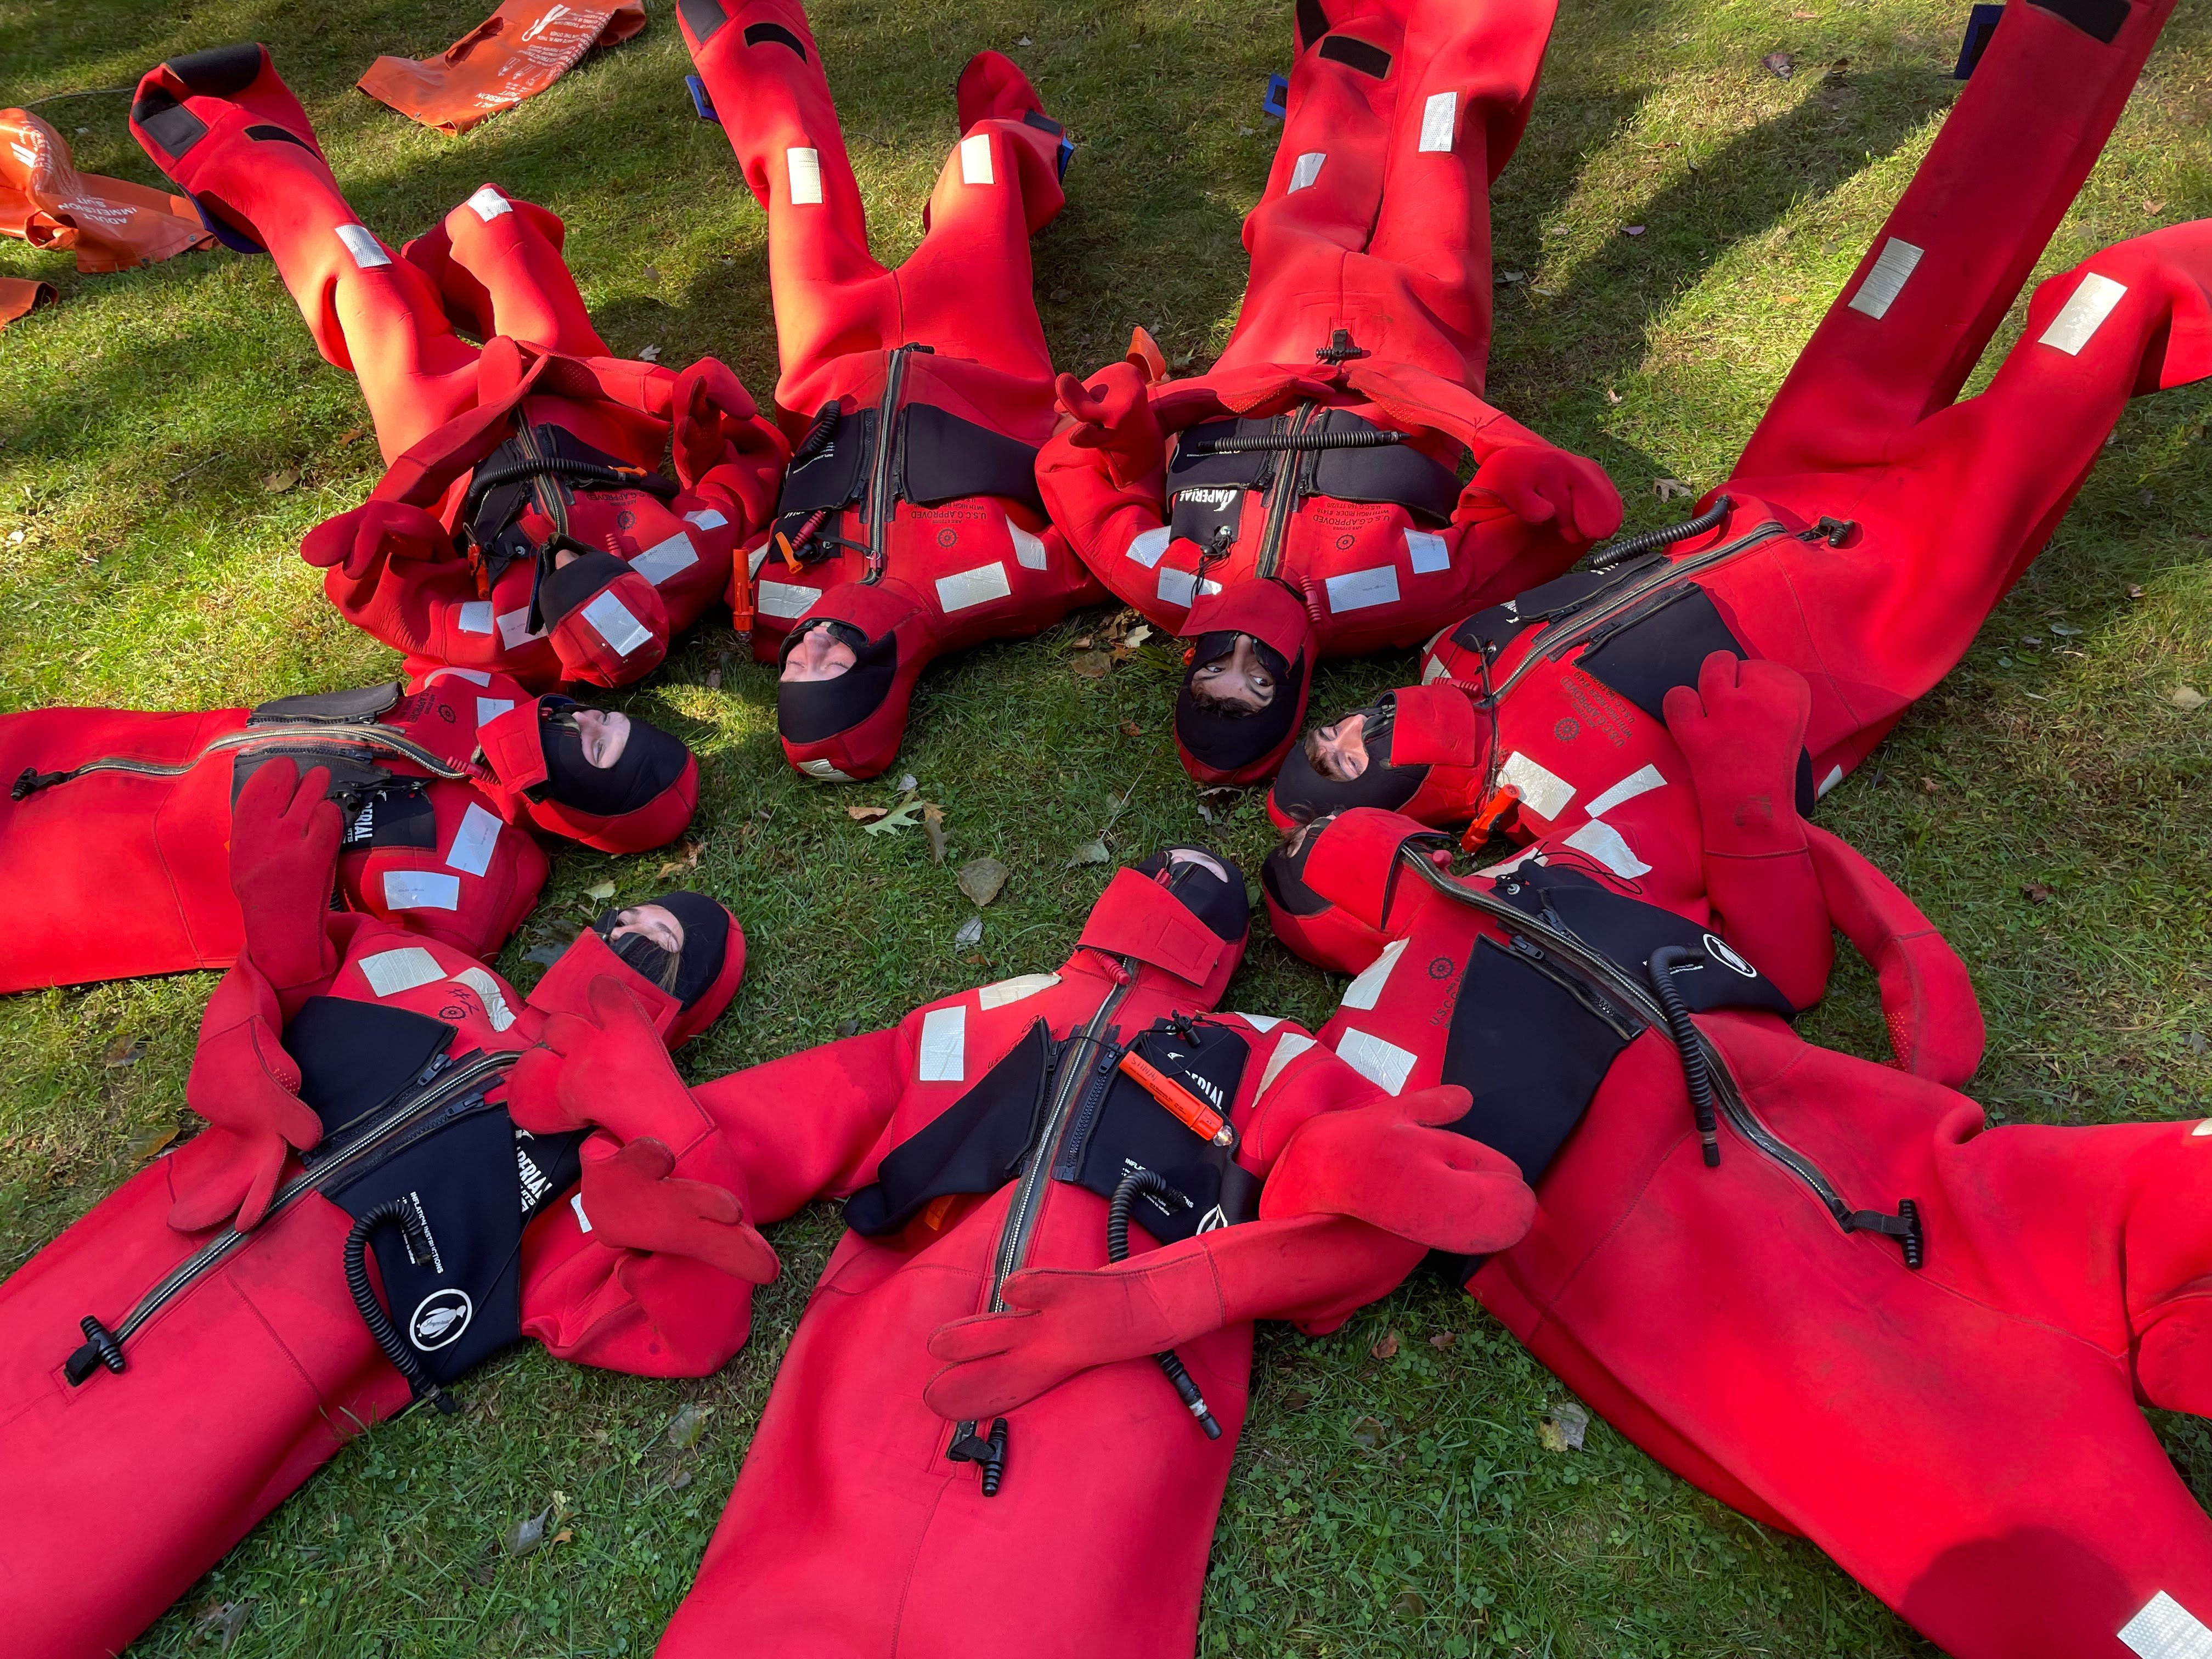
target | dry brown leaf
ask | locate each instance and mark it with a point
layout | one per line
(2035, 892)
(1091, 664)
(933, 821)
(1367, 1433)
(2187, 698)
(284, 478)
(863, 814)
(124, 1050)
(1387, 1348)
(1442, 1339)
(982, 880)
(1563, 1431)
(145, 1145)
(1131, 729)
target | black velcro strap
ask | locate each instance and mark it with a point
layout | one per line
(1489, 632)
(1357, 54)
(1395, 473)
(167, 123)
(1313, 22)
(354, 1056)
(2100, 20)
(220, 71)
(1042, 123)
(263, 133)
(702, 17)
(773, 34)
(946, 459)
(358, 706)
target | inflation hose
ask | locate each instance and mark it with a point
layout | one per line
(1695, 1071)
(1645, 541)
(817, 436)
(1369, 439)
(392, 1212)
(1117, 1250)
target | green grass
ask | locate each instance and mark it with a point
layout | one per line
(1380, 1506)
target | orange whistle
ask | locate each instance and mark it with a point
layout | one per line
(1194, 1113)
(783, 546)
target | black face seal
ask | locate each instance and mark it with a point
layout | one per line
(559, 592)
(1301, 792)
(807, 711)
(690, 973)
(1221, 905)
(1284, 875)
(651, 760)
(1228, 736)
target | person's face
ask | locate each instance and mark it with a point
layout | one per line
(653, 922)
(1238, 678)
(1339, 751)
(604, 735)
(819, 655)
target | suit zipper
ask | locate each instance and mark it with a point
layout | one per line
(1282, 496)
(379, 740)
(447, 1092)
(1029, 1192)
(881, 507)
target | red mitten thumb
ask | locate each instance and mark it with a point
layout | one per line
(242, 1082)
(634, 1201)
(1538, 484)
(534, 1098)
(1741, 731)
(355, 540)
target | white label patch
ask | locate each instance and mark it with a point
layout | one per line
(389, 972)
(1377, 1061)
(2164, 1629)
(1642, 781)
(1293, 1044)
(1835, 776)
(1886, 280)
(943, 1045)
(2079, 319)
(2203, 1129)
(1427, 552)
(1263, 1023)
(1178, 587)
(488, 204)
(1146, 548)
(1356, 590)
(978, 586)
(491, 709)
(1603, 842)
(367, 252)
(1539, 788)
(1439, 118)
(419, 889)
(786, 598)
(1437, 669)
(706, 517)
(622, 632)
(756, 559)
(664, 559)
(470, 853)
(1306, 169)
(1364, 992)
(475, 617)
(514, 629)
(1029, 549)
(488, 994)
(975, 160)
(576, 1203)
(806, 169)
(825, 770)
(1013, 990)
(473, 676)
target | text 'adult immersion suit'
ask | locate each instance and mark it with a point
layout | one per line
(523, 525)
(916, 398)
(418, 1154)
(1312, 501)
(979, 1146)
(1922, 1345)
(121, 819)
(1871, 523)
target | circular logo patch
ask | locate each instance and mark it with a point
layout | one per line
(947, 537)
(1441, 968)
(1568, 728)
(440, 1318)
(625, 519)
(1728, 958)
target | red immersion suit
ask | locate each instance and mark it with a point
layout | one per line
(121, 820)
(975, 1143)
(1872, 522)
(227, 1396)
(1368, 312)
(524, 524)
(1921, 1345)
(917, 397)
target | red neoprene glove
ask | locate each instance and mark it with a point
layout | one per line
(1538, 484)
(611, 1071)
(242, 1083)
(354, 540)
(1742, 731)
(1387, 1165)
(636, 1203)
(1113, 414)
(284, 836)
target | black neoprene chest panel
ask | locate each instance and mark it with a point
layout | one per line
(1250, 469)
(832, 477)
(1664, 649)
(355, 706)
(946, 459)
(1489, 632)
(354, 776)
(1130, 1131)
(1398, 474)
(353, 1056)
(973, 1145)
(396, 818)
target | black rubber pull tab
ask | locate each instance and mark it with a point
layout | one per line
(100, 1348)
(30, 781)
(968, 1447)
(1904, 1227)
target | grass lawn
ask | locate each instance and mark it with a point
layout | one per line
(1382, 1504)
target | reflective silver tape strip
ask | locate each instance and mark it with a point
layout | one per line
(1602, 841)
(367, 252)
(470, 853)
(1642, 781)
(943, 1057)
(389, 972)
(1427, 552)
(1377, 1061)
(2164, 1629)
(622, 632)
(1359, 590)
(1541, 790)
(2079, 319)
(1886, 280)
(419, 889)
(976, 159)
(1306, 169)
(1439, 118)
(964, 588)
(664, 559)
(488, 204)
(805, 167)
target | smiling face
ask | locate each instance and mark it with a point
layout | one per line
(817, 655)
(1339, 752)
(1239, 678)
(655, 923)
(605, 735)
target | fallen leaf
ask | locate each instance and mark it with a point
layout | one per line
(1131, 729)
(227, 1620)
(1085, 642)
(688, 1424)
(1507, 278)
(902, 817)
(648, 353)
(1444, 1340)
(125, 1050)
(1563, 1431)
(544, 954)
(713, 679)
(1632, 230)
(681, 1478)
(653, 273)
(563, 1536)
(849, 1026)
(526, 1535)
(280, 480)
(862, 814)
(1367, 1433)
(352, 434)
(1929, 786)
(1137, 635)
(2033, 641)
(1780, 65)
(1091, 664)
(1387, 1348)
(603, 892)
(971, 933)
(2035, 892)
(1408, 1606)
(1023, 41)
(1092, 852)
(2187, 698)
(2135, 590)
(982, 880)
(1610, 396)
(1297, 1399)
(144, 1145)
(932, 823)
(1672, 490)
(2065, 631)
(1549, 293)
(1206, 811)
